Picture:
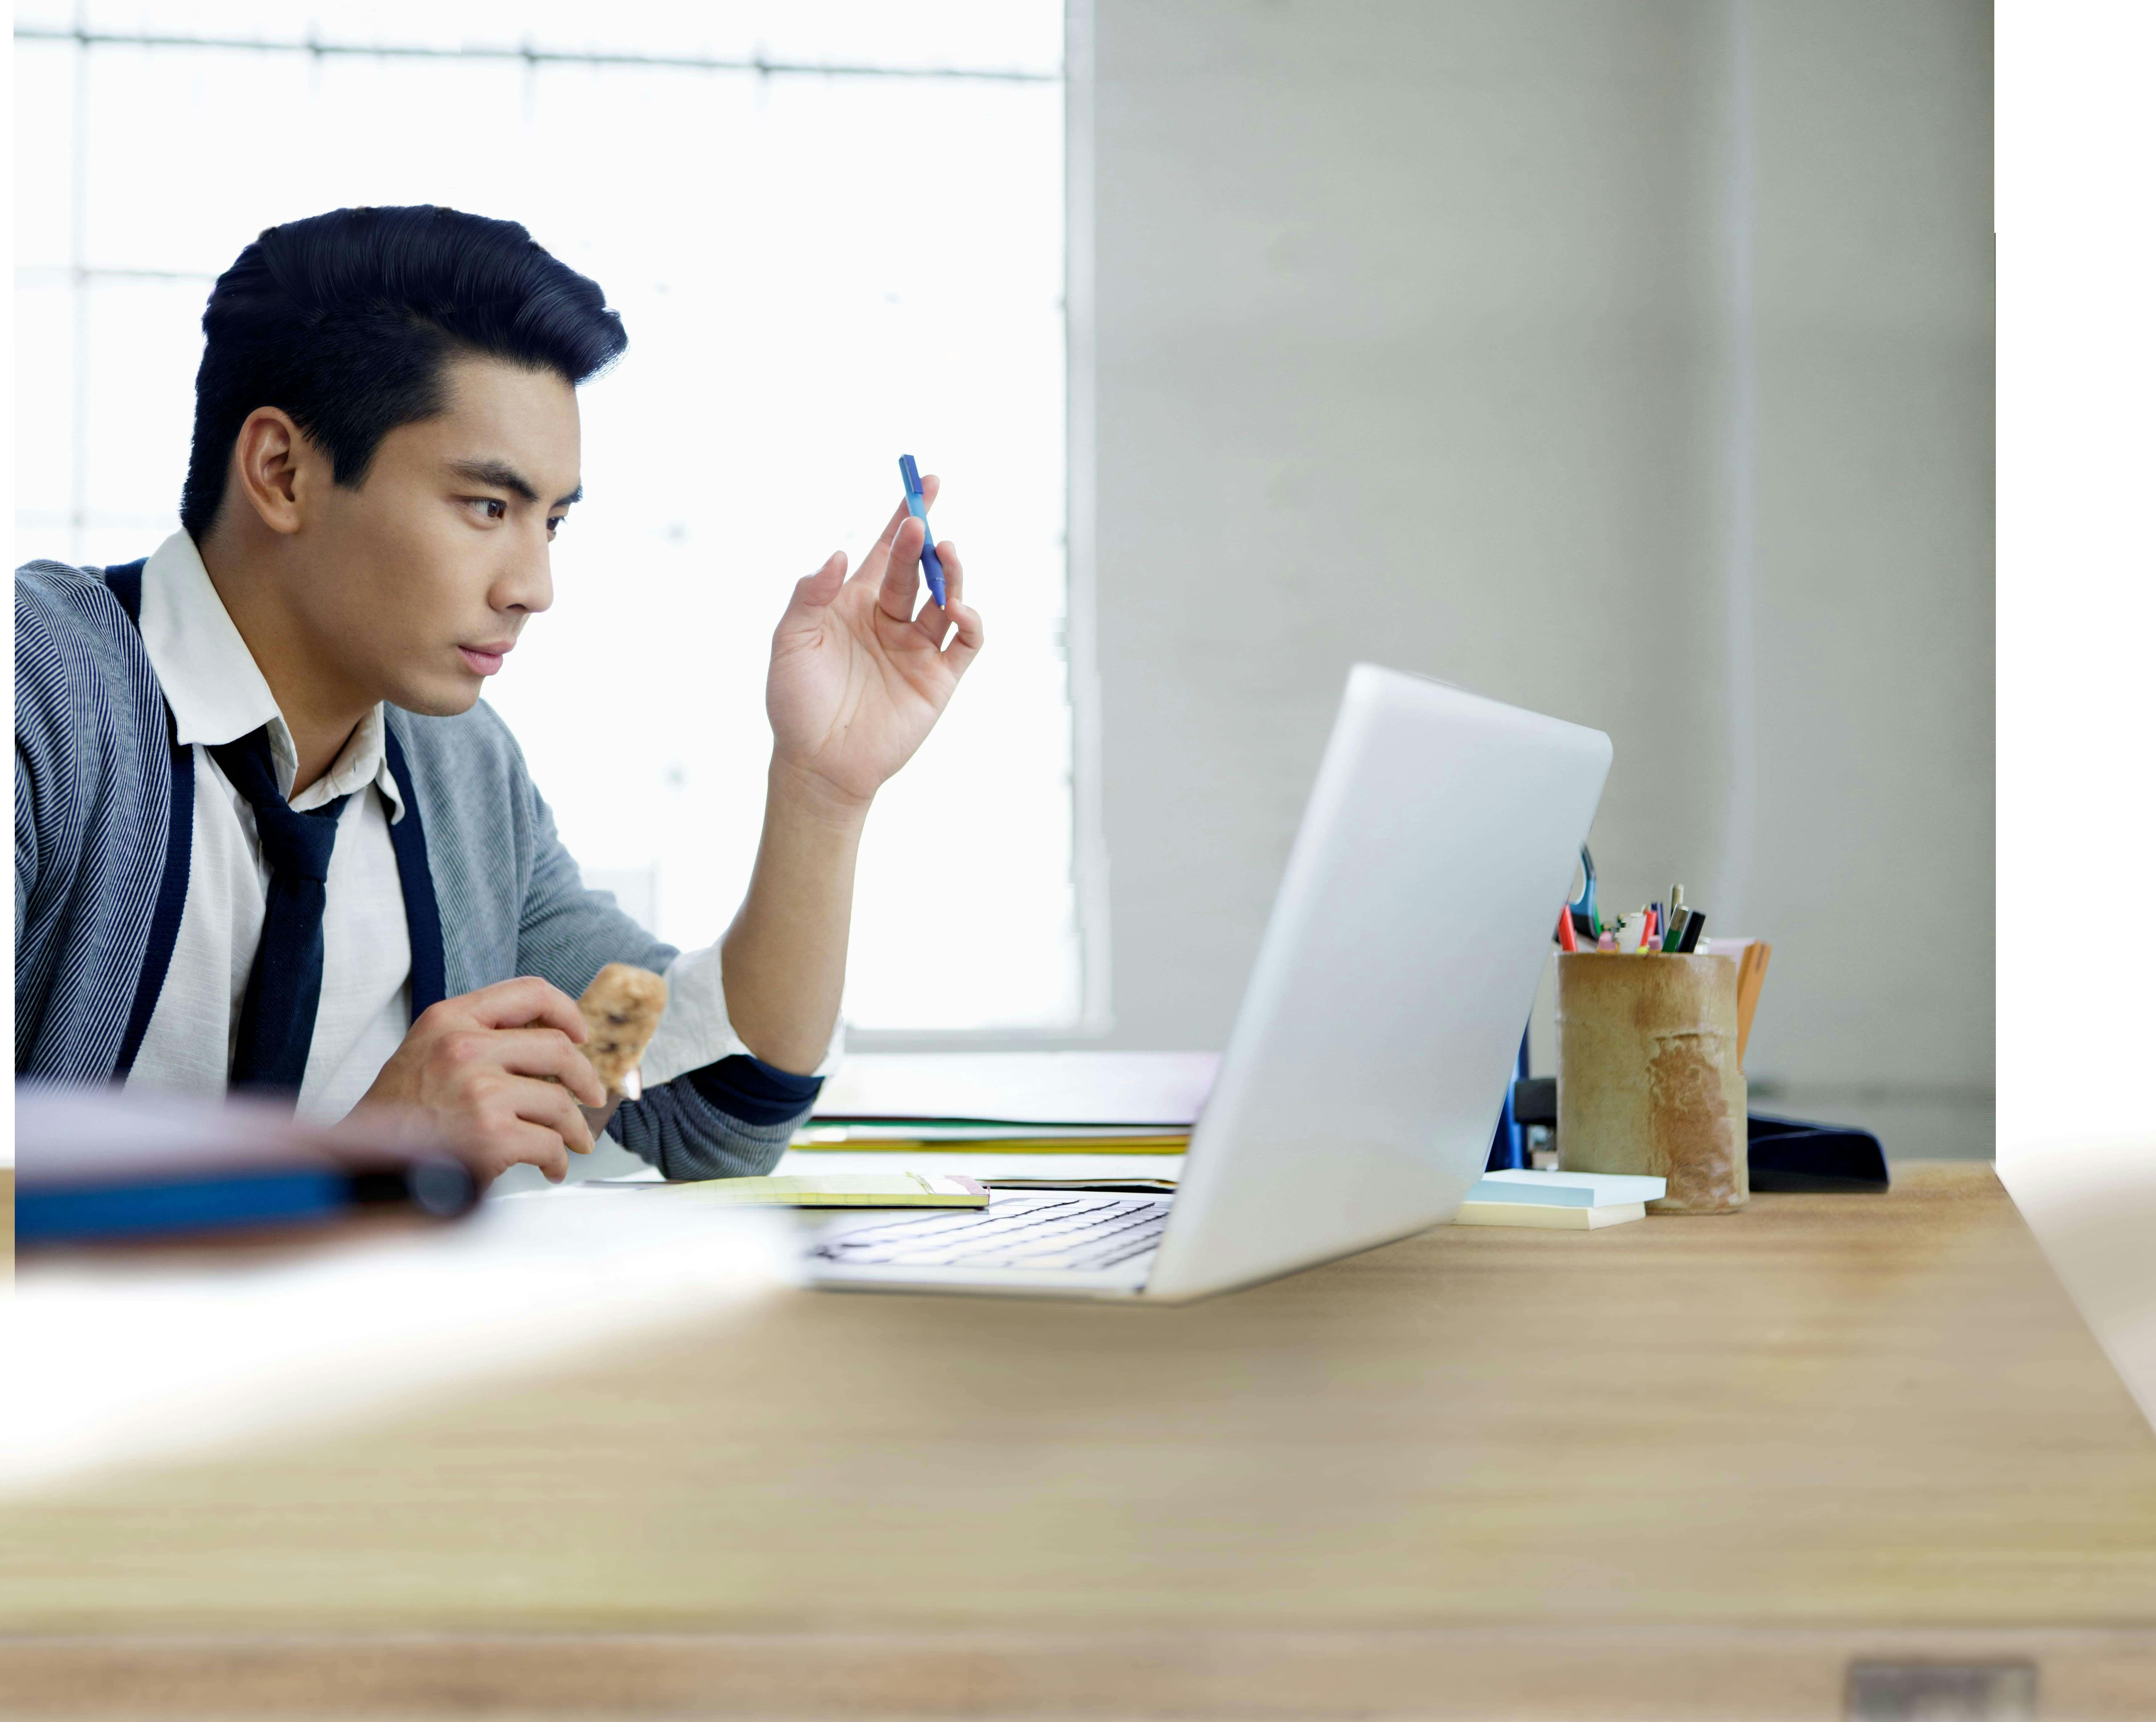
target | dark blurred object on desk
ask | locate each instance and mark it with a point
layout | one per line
(1790, 1154)
(107, 1165)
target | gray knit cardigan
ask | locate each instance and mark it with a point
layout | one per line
(490, 891)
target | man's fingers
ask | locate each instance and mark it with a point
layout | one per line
(935, 622)
(523, 1144)
(900, 583)
(872, 564)
(954, 573)
(930, 484)
(546, 1052)
(553, 1108)
(890, 528)
(527, 1001)
(965, 645)
(818, 589)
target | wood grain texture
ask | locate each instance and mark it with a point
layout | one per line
(1647, 1674)
(1824, 1420)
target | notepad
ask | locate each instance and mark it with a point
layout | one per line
(844, 1190)
(1562, 1201)
(1568, 1189)
(1548, 1215)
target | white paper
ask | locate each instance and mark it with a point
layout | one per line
(1023, 1088)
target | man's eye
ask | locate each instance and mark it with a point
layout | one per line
(493, 507)
(554, 525)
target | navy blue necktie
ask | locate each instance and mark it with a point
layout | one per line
(285, 986)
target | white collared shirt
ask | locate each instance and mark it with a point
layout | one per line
(218, 694)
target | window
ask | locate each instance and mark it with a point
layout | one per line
(835, 232)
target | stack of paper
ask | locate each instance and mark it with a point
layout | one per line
(1570, 1201)
(1013, 1102)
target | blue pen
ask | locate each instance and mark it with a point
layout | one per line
(916, 505)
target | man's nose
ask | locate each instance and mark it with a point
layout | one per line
(527, 583)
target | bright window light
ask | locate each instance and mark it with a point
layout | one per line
(836, 235)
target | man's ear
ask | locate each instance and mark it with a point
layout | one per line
(277, 468)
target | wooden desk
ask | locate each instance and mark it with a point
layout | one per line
(1687, 1468)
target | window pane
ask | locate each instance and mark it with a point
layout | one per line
(316, 134)
(143, 342)
(787, 346)
(45, 419)
(44, 135)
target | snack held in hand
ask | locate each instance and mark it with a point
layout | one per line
(622, 1007)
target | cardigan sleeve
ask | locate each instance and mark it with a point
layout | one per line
(83, 874)
(725, 1113)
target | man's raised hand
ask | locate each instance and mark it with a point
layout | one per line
(858, 677)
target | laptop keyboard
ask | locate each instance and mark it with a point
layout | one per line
(1045, 1231)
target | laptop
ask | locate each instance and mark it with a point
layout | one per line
(1381, 1023)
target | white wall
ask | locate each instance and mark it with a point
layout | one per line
(1623, 359)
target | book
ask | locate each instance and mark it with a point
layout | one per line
(843, 1189)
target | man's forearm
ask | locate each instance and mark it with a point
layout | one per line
(784, 957)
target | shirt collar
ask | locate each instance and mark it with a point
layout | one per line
(218, 692)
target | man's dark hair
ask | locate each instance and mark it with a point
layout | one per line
(348, 320)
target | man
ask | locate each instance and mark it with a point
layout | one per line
(266, 835)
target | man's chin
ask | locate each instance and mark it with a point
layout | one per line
(447, 697)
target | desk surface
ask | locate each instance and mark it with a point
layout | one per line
(1465, 1469)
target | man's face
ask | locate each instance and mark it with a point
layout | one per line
(418, 581)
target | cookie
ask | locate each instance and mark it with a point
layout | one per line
(622, 1007)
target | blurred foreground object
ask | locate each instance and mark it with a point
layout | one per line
(107, 1165)
(127, 1355)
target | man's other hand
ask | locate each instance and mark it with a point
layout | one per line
(477, 1067)
(859, 677)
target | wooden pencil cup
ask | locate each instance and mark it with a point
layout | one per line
(1648, 1080)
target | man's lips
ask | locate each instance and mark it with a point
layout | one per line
(485, 659)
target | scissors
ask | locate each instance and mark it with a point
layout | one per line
(1586, 919)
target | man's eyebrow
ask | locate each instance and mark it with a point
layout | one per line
(503, 476)
(499, 474)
